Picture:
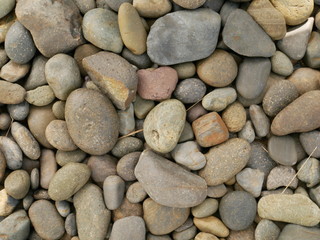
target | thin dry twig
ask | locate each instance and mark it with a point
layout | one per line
(264, 149)
(9, 127)
(299, 170)
(130, 134)
(194, 104)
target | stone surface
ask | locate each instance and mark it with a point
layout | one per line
(217, 191)
(100, 27)
(142, 107)
(178, 188)
(113, 191)
(218, 99)
(19, 111)
(134, 228)
(283, 150)
(48, 167)
(63, 208)
(83, 51)
(102, 167)
(12, 93)
(5, 24)
(46, 220)
(127, 145)
(247, 234)
(118, 81)
(93, 221)
(210, 130)
(88, 127)
(266, 229)
(305, 79)
(234, 116)
(251, 180)
(68, 180)
(185, 70)
(17, 184)
(164, 40)
(205, 236)
(126, 118)
(188, 233)
(281, 64)
(70, 224)
(135, 193)
(115, 4)
(296, 208)
(247, 132)
(127, 209)
(11, 152)
(208, 207)
(244, 36)
(153, 9)
(126, 166)
(141, 61)
(6, 7)
(299, 116)
(13, 72)
(60, 23)
(237, 210)
(36, 76)
(310, 141)
(309, 173)
(282, 176)
(292, 231)
(211, 225)
(63, 157)
(41, 96)
(7, 203)
(190, 90)
(162, 220)
(260, 120)
(225, 161)
(311, 57)
(16, 226)
(189, 4)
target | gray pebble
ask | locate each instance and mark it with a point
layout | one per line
(187, 224)
(189, 233)
(260, 120)
(127, 145)
(142, 107)
(217, 191)
(310, 172)
(16, 226)
(207, 208)
(126, 166)
(63, 208)
(85, 5)
(315, 194)
(247, 132)
(115, 4)
(281, 64)
(63, 157)
(226, 9)
(6, 7)
(35, 178)
(126, 118)
(27, 201)
(141, 61)
(190, 90)
(266, 229)
(12, 153)
(219, 99)
(58, 109)
(187, 133)
(292, 231)
(251, 180)
(37, 76)
(134, 226)
(113, 191)
(309, 141)
(70, 225)
(281, 176)
(136, 193)
(19, 111)
(282, 149)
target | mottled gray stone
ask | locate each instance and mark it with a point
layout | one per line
(16, 226)
(19, 111)
(283, 150)
(281, 176)
(310, 142)
(251, 180)
(132, 227)
(247, 132)
(310, 172)
(190, 90)
(207, 208)
(292, 231)
(260, 120)
(266, 230)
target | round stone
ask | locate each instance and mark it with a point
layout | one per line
(238, 210)
(251, 180)
(136, 193)
(58, 109)
(266, 229)
(127, 145)
(206, 208)
(63, 207)
(185, 70)
(6, 7)
(247, 132)
(12, 93)
(17, 184)
(127, 209)
(234, 116)
(310, 143)
(135, 229)
(205, 236)
(19, 111)
(190, 90)
(142, 61)
(152, 9)
(63, 157)
(219, 99)
(281, 64)
(126, 166)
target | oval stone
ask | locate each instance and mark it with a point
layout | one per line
(17, 184)
(92, 121)
(11, 93)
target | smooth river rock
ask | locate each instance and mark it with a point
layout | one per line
(169, 184)
(293, 231)
(134, 226)
(16, 226)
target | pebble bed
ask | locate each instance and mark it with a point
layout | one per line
(159, 120)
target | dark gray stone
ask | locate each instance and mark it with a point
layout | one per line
(141, 61)
(310, 141)
(190, 90)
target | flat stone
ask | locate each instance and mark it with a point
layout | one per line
(311, 57)
(41, 96)
(281, 176)
(251, 180)
(100, 27)
(161, 219)
(135, 229)
(127, 145)
(155, 9)
(7, 203)
(208, 207)
(164, 40)
(60, 24)
(218, 99)
(179, 187)
(237, 210)
(36, 76)
(16, 226)
(225, 161)
(189, 4)
(189, 233)
(17, 184)
(93, 221)
(310, 141)
(118, 81)
(260, 120)
(127, 121)
(101, 167)
(283, 150)
(11, 152)
(252, 77)
(266, 229)
(70, 225)
(244, 36)
(295, 42)
(64, 157)
(305, 79)
(126, 166)
(299, 116)
(269, 18)
(292, 231)
(113, 191)
(197, 111)
(296, 208)
(68, 180)
(281, 64)
(210, 130)
(88, 127)
(12, 93)
(234, 116)
(211, 225)
(187, 133)
(310, 172)
(48, 167)
(190, 90)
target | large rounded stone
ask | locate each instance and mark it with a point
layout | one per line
(164, 40)
(164, 124)
(16, 226)
(169, 184)
(91, 120)
(293, 231)
(6, 7)
(68, 180)
(17, 184)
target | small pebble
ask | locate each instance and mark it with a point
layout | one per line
(63, 157)
(310, 172)
(126, 118)
(17, 184)
(134, 226)
(219, 99)
(206, 208)
(251, 180)
(70, 224)
(247, 132)
(234, 116)
(19, 111)
(190, 90)
(309, 142)
(211, 225)
(63, 208)
(283, 150)
(135, 193)
(185, 70)
(260, 120)
(281, 64)
(35, 178)
(126, 165)
(266, 229)
(292, 231)
(113, 191)
(126, 145)
(217, 191)
(282, 176)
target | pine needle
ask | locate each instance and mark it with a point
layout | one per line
(130, 134)
(194, 104)
(9, 127)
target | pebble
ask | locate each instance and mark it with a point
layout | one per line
(135, 193)
(211, 225)
(16, 226)
(283, 150)
(100, 27)
(127, 145)
(93, 221)
(153, 9)
(11, 152)
(187, 133)
(244, 36)
(225, 161)
(296, 208)
(27, 201)
(17, 184)
(207, 208)
(46, 220)
(5, 24)
(190, 90)
(127, 209)
(197, 111)
(295, 42)
(126, 166)
(142, 107)
(141, 61)
(7, 203)
(64, 19)
(189, 233)
(205, 236)
(253, 76)
(234, 116)
(172, 217)
(247, 132)
(58, 109)
(172, 177)
(164, 124)
(63, 207)
(6, 7)
(63, 75)
(3, 56)
(269, 18)
(126, 118)
(63, 157)
(187, 224)
(185, 70)
(237, 210)
(13, 72)
(71, 225)
(101, 167)
(266, 229)
(188, 154)
(218, 99)
(218, 70)
(309, 142)
(115, 4)
(12, 93)
(89, 127)
(134, 229)
(157, 84)
(133, 33)
(310, 172)
(164, 40)
(305, 79)
(41, 96)
(18, 44)
(68, 180)
(48, 167)
(189, 4)
(278, 96)
(260, 120)
(25, 140)
(5, 121)
(227, 8)
(36, 76)
(288, 121)
(294, 12)
(58, 136)
(210, 130)
(217, 191)
(84, 6)
(38, 120)
(119, 81)
(243, 234)
(311, 57)
(292, 231)
(282, 176)
(315, 195)
(281, 64)
(35, 178)
(19, 111)
(113, 191)
(251, 180)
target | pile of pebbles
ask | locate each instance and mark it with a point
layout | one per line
(159, 120)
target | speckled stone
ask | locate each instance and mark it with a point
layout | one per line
(234, 116)
(260, 120)
(190, 90)
(19, 111)
(309, 141)
(126, 166)
(281, 176)
(126, 145)
(251, 180)
(208, 207)
(134, 229)
(218, 99)
(17, 184)
(281, 64)
(40, 96)
(305, 79)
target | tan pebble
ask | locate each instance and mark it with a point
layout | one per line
(211, 225)
(190, 4)
(234, 117)
(41, 96)
(12, 71)
(185, 70)
(152, 9)
(205, 236)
